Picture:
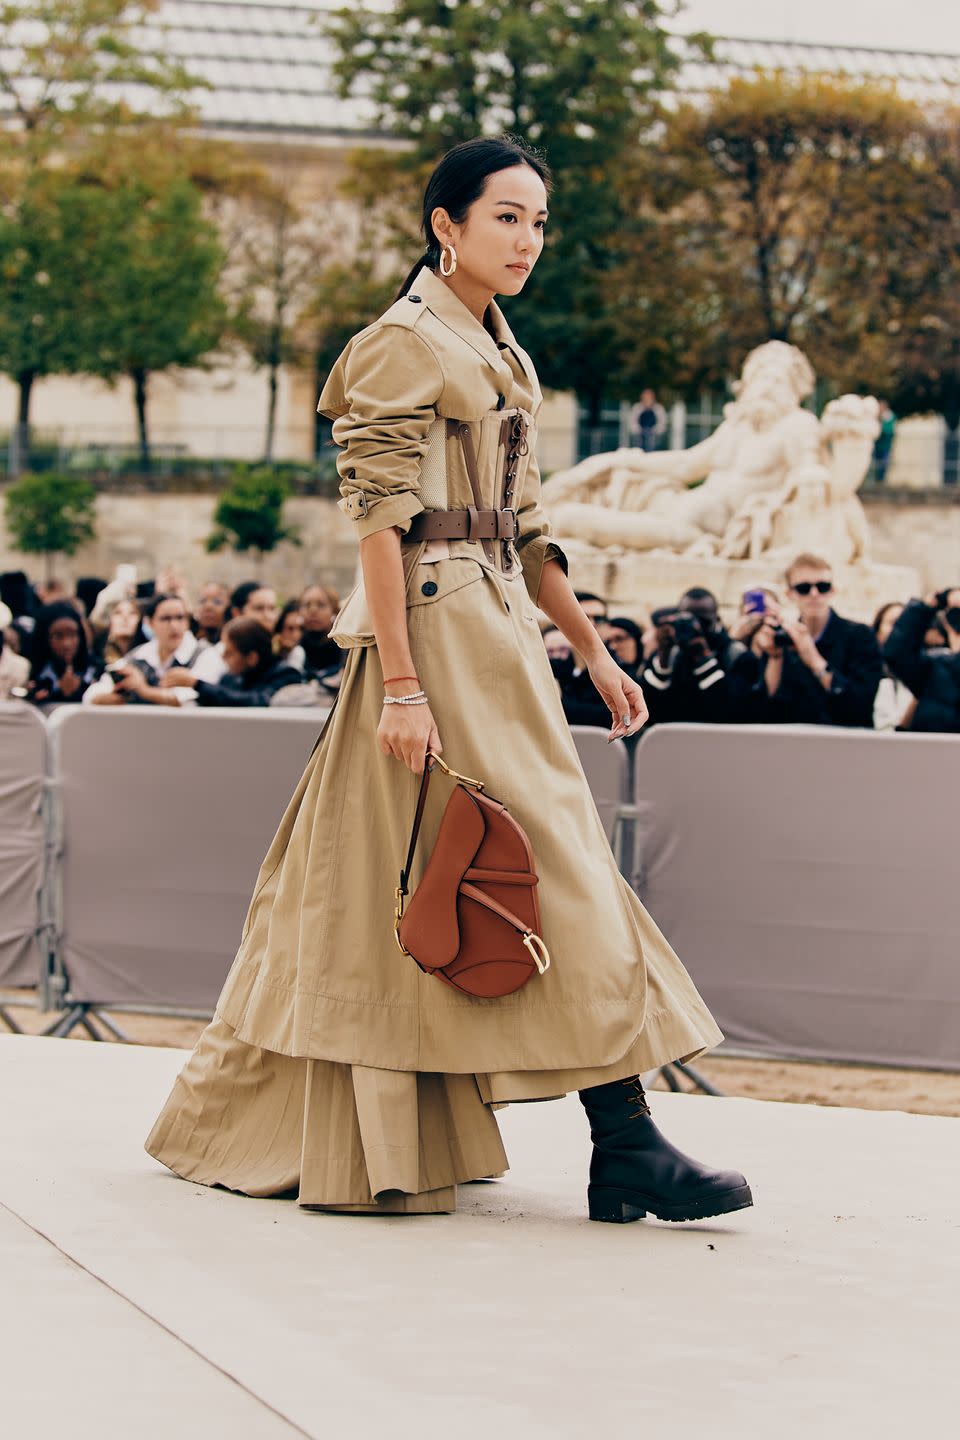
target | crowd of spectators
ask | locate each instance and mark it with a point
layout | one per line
(123, 643)
(786, 658)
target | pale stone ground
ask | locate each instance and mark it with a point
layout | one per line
(802, 1082)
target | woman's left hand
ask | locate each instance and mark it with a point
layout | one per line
(622, 696)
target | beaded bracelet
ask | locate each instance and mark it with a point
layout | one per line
(419, 698)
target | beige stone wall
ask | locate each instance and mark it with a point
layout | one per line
(152, 531)
(923, 534)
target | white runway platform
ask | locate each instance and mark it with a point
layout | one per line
(136, 1305)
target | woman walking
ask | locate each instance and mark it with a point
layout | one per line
(334, 1065)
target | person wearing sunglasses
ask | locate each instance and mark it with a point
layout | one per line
(819, 669)
(932, 676)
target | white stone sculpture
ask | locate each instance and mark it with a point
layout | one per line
(771, 481)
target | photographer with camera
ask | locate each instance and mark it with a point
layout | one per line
(932, 676)
(689, 674)
(820, 669)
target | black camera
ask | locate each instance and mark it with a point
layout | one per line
(782, 638)
(686, 628)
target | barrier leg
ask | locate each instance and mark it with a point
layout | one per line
(76, 1015)
(699, 1081)
(112, 1028)
(9, 1021)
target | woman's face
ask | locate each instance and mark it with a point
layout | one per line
(262, 606)
(890, 617)
(124, 620)
(64, 637)
(316, 610)
(212, 605)
(501, 237)
(235, 660)
(623, 645)
(291, 631)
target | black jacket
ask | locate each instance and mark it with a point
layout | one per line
(250, 689)
(693, 685)
(856, 669)
(934, 677)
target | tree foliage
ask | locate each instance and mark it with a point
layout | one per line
(249, 513)
(50, 514)
(814, 210)
(579, 80)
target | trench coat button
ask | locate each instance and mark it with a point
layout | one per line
(429, 588)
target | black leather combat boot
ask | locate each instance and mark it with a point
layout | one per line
(635, 1169)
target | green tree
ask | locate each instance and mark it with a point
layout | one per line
(65, 65)
(249, 514)
(580, 80)
(50, 515)
(270, 280)
(814, 210)
(149, 300)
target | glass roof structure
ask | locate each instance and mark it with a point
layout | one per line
(265, 66)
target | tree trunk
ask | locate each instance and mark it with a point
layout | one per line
(139, 378)
(19, 456)
(271, 411)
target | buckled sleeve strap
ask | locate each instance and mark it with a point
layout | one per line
(391, 382)
(534, 545)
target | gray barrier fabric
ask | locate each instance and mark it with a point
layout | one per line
(808, 879)
(605, 766)
(23, 765)
(165, 819)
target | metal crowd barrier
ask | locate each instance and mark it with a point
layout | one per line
(804, 875)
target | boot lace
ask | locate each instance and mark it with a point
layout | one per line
(638, 1097)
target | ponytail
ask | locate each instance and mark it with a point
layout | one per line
(404, 288)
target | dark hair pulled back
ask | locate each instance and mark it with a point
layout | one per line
(459, 180)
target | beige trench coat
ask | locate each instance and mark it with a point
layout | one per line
(318, 975)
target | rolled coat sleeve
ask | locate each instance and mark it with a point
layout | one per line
(391, 384)
(534, 545)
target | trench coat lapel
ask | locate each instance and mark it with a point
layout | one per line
(454, 313)
(446, 307)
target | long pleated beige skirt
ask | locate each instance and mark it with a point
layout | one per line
(355, 1138)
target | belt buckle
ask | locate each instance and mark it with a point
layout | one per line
(508, 510)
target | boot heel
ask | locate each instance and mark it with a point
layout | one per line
(616, 1207)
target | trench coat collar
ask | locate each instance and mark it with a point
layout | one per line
(445, 305)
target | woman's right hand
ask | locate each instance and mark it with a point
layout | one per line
(407, 732)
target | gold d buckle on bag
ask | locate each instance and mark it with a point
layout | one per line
(531, 941)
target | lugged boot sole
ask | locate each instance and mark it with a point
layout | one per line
(620, 1207)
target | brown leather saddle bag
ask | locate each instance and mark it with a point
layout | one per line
(474, 920)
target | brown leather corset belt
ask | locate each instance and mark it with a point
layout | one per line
(476, 523)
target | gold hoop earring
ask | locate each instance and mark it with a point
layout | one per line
(453, 261)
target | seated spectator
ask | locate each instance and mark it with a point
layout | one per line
(624, 639)
(137, 679)
(254, 675)
(124, 633)
(14, 667)
(932, 676)
(19, 596)
(210, 611)
(592, 606)
(61, 668)
(288, 635)
(251, 600)
(690, 674)
(820, 669)
(895, 701)
(319, 606)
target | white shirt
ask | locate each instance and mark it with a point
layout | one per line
(210, 665)
(150, 654)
